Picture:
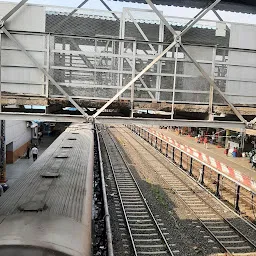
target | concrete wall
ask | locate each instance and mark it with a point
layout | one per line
(18, 135)
(19, 74)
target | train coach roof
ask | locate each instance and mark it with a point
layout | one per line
(244, 6)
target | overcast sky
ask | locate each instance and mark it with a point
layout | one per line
(168, 10)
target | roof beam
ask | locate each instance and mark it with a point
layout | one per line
(120, 120)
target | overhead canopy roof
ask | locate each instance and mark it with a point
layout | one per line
(245, 6)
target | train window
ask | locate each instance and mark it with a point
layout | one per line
(67, 147)
(61, 156)
(71, 138)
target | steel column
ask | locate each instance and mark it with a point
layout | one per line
(174, 78)
(133, 75)
(201, 175)
(173, 154)
(210, 110)
(181, 154)
(166, 152)
(237, 198)
(0, 70)
(48, 49)
(2, 153)
(218, 186)
(191, 167)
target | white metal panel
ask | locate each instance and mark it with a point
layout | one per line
(245, 91)
(17, 58)
(23, 89)
(22, 74)
(17, 132)
(199, 52)
(28, 18)
(30, 42)
(242, 58)
(243, 36)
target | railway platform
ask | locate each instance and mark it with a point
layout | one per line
(240, 164)
(16, 170)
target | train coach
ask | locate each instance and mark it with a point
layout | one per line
(49, 210)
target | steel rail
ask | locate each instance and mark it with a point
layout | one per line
(202, 199)
(120, 197)
(105, 200)
(141, 194)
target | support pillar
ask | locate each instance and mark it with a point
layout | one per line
(218, 186)
(201, 175)
(166, 152)
(173, 154)
(181, 154)
(237, 198)
(2, 154)
(191, 166)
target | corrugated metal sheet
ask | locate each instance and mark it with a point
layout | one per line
(244, 6)
(87, 26)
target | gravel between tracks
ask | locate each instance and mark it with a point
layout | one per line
(186, 233)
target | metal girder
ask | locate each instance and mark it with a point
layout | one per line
(211, 82)
(82, 56)
(121, 120)
(174, 79)
(141, 80)
(38, 65)
(134, 79)
(11, 12)
(0, 70)
(69, 15)
(177, 37)
(141, 32)
(103, 2)
(199, 17)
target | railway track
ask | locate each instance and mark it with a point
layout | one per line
(213, 216)
(148, 237)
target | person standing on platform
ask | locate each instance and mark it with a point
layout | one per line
(226, 151)
(206, 142)
(254, 161)
(28, 152)
(34, 152)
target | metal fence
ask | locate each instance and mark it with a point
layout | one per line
(235, 194)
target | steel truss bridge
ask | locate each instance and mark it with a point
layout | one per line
(137, 58)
